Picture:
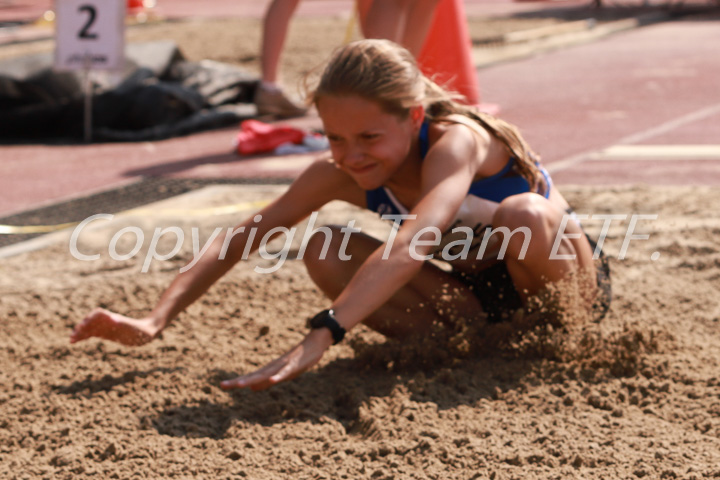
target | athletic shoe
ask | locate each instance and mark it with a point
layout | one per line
(275, 103)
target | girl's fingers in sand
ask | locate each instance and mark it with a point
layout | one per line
(290, 371)
(301, 358)
(255, 379)
(112, 326)
(89, 326)
(266, 376)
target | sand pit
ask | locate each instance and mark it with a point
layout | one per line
(636, 396)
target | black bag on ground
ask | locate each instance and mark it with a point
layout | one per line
(161, 95)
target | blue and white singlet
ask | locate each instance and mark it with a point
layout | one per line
(479, 206)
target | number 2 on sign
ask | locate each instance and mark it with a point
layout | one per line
(85, 31)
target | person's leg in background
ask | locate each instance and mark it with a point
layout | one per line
(430, 30)
(406, 22)
(386, 19)
(270, 99)
(417, 25)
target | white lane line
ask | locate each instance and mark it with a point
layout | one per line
(657, 152)
(637, 137)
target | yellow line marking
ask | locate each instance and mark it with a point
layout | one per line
(198, 212)
(18, 229)
(143, 211)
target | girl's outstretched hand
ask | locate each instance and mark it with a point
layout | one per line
(113, 326)
(301, 358)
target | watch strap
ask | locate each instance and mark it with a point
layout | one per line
(326, 319)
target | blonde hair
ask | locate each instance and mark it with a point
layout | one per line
(384, 72)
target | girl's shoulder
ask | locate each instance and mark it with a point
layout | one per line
(457, 123)
(485, 152)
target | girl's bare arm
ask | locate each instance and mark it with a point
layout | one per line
(319, 184)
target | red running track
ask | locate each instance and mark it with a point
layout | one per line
(654, 85)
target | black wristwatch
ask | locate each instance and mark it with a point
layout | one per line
(326, 319)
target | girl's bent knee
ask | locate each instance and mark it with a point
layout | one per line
(522, 210)
(322, 245)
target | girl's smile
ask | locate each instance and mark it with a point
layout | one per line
(367, 143)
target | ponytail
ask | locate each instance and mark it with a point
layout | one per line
(442, 104)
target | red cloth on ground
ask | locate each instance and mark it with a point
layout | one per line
(259, 137)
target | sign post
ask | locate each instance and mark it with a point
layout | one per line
(90, 35)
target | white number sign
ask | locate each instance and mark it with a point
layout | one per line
(90, 34)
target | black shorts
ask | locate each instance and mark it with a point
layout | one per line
(495, 290)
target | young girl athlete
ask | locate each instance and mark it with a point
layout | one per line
(400, 145)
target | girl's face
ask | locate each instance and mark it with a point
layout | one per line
(366, 142)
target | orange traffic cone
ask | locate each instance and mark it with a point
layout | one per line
(446, 56)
